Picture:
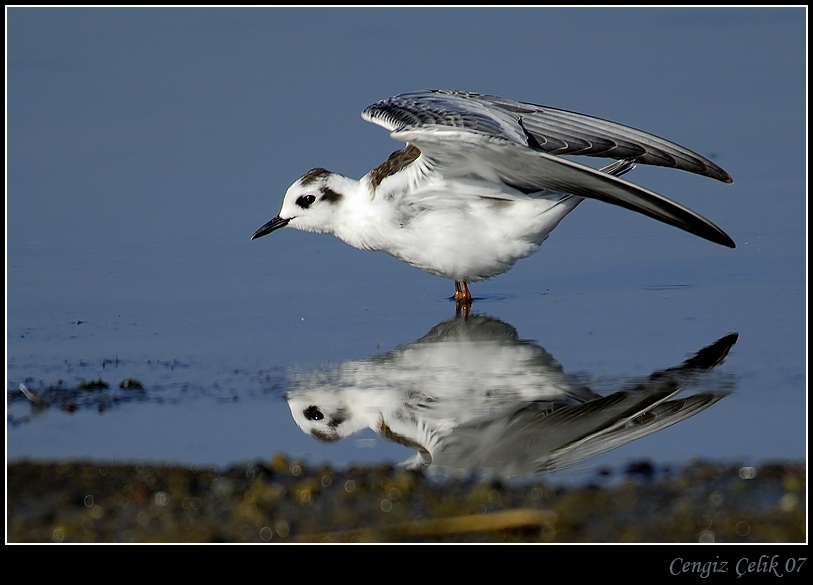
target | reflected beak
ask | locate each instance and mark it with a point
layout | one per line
(272, 225)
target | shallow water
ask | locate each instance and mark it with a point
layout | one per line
(145, 147)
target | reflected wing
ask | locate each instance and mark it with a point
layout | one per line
(545, 129)
(547, 436)
(630, 428)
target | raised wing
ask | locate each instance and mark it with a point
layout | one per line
(466, 154)
(550, 130)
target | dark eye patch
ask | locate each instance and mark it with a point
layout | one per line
(313, 413)
(330, 195)
(305, 201)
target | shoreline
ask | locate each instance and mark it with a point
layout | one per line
(285, 501)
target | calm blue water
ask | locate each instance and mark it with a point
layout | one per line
(146, 146)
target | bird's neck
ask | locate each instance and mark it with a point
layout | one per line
(360, 222)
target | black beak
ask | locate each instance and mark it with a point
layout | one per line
(272, 225)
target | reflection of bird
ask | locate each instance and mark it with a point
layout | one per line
(471, 396)
(481, 184)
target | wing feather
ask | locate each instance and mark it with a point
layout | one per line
(467, 154)
(551, 130)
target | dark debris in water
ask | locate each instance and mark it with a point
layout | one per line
(84, 385)
(95, 394)
(285, 501)
(131, 384)
(94, 385)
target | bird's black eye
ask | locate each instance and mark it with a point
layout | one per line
(304, 201)
(313, 412)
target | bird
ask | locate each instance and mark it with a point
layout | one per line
(472, 396)
(482, 182)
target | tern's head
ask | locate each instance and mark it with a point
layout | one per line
(325, 415)
(310, 203)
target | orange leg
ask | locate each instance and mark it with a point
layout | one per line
(462, 295)
(466, 293)
(462, 292)
(458, 294)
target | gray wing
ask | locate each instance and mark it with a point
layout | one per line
(541, 437)
(550, 130)
(544, 436)
(466, 154)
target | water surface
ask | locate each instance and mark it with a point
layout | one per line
(146, 146)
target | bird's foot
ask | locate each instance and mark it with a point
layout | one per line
(462, 297)
(462, 292)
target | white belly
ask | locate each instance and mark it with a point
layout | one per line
(479, 240)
